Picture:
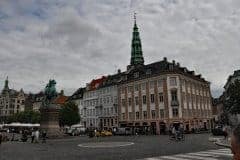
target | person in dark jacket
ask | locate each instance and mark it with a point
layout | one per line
(44, 136)
(32, 136)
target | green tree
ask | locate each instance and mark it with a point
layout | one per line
(25, 117)
(224, 119)
(69, 114)
(232, 98)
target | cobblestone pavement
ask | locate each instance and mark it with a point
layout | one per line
(143, 147)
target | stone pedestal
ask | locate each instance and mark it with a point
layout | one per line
(50, 121)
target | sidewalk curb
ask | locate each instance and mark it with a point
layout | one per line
(212, 139)
(222, 144)
(219, 143)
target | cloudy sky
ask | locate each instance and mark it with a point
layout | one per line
(74, 41)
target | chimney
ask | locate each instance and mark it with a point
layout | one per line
(178, 64)
(119, 70)
(173, 62)
(165, 59)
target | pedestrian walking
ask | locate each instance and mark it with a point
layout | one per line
(181, 131)
(44, 136)
(173, 131)
(13, 136)
(24, 136)
(32, 136)
(235, 143)
(37, 136)
(225, 132)
(95, 132)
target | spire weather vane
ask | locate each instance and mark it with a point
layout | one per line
(134, 16)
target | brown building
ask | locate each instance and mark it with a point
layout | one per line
(155, 96)
(37, 100)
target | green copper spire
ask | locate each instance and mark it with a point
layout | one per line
(6, 88)
(6, 84)
(136, 52)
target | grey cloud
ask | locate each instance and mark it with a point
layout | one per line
(76, 41)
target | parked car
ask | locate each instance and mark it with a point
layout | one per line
(103, 133)
(218, 130)
(76, 130)
(123, 131)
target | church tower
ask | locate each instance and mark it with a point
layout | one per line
(136, 48)
(6, 88)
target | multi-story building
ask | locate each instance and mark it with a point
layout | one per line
(106, 109)
(217, 109)
(155, 96)
(11, 101)
(90, 103)
(37, 101)
(100, 103)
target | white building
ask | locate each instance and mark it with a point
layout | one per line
(90, 102)
(100, 103)
(107, 107)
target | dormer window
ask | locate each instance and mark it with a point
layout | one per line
(170, 67)
(136, 74)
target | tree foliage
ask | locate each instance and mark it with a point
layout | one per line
(28, 116)
(69, 114)
(224, 118)
(232, 98)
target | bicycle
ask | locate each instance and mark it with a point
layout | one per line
(177, 137)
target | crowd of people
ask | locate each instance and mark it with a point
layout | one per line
(35, 135)
(24, 136)
(176, 132)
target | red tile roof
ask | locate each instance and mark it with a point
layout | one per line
(96, 82)
(60, 99)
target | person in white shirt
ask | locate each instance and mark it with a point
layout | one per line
(36, 136)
